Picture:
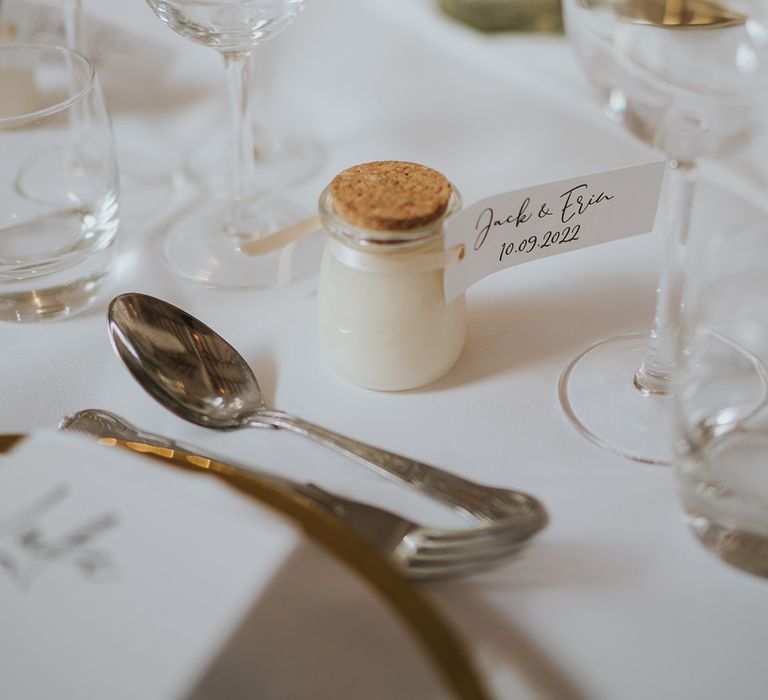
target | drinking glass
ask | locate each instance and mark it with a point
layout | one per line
(74, 40)
(204, 245)
(148, 172)
(55, 251)
(688, 77)
(721, 413)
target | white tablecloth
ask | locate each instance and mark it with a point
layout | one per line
(615, 599)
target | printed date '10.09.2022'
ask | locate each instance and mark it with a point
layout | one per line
(528, 224)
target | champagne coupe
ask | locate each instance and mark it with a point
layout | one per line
(204, 245)
(688, 77)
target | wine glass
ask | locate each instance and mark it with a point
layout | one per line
(721, 412)
(688, 77)
(204, 245)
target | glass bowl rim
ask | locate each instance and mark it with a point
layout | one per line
(58, 106)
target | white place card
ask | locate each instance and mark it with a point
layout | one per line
(515, 227)
(121, 578)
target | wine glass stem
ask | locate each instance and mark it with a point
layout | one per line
(242, 172)
(654, 374)
(261, 87)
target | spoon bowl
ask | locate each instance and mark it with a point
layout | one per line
(182, 363)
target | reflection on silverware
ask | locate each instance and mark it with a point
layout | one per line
(200, 377)
(418, 552)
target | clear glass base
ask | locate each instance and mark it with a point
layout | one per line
(745, 550)
(280, 160)
(58, 295)
(599, 397)
(723, 487)
(198, 248)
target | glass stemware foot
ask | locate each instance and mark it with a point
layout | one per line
(195, 247)
(598, 393)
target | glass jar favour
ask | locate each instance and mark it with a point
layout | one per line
(384, 320)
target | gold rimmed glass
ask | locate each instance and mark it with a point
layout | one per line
(689, 77)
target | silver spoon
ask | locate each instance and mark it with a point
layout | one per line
(201, 378)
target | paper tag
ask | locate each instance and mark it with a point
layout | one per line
(528, 224)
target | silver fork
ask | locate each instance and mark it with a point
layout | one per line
(419, 552)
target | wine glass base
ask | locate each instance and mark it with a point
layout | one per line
(599, 397)
(198, 248)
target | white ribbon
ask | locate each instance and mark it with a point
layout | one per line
(281, 238)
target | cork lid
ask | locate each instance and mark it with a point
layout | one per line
(390, 195)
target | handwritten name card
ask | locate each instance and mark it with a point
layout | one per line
(515, 227)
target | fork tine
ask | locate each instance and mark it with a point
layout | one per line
(421, 560)
(419, 568)
(427, 553)
(514, 528)
(467, 543)
(471, 539)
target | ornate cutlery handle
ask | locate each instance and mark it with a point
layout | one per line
(489, 505)
(485, 503)
(105, 425)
